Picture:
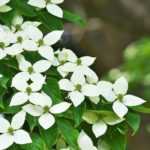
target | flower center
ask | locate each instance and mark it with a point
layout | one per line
(30, 70)
(79, 62)
(40, 42)
(19, 39)
(11, 131)
(18, 27)
(29, 90)
(46, 109)
(2, 45)
(120, 97)
(78, 87)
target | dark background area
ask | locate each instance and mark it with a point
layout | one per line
(111, 26)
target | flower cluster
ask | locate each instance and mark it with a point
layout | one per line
(78, 83)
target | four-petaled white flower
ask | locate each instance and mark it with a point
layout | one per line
(50, 5)
(42, 107)
(71, 63)
(85, 142)
(100, 121)
(116, 93)
(11, 133)
(3, 6)
(42, 43)
(78, 88)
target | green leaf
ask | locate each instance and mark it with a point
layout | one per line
(52, 89)
(142, 109)
(37, 144)
(78, 113)
(49, 136)
(133, 121)
(71, 17)
(23, 8)
(68, 131)
(32, 122)
(49, 21)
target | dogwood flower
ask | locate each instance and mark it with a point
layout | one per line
(18, 23)
(85, 142)
(116, 93)
(4, 7)
(71, 63)
(12, 132)
(42, 107)
(50, 5)
(78, 88)
(42, 43)
(100, 121)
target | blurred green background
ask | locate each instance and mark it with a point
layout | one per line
(118, 34)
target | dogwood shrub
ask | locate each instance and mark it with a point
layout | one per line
(51, 98)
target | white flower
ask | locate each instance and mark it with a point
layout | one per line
(18, 23)
(50, 5)
(101, 121)
(43, 43)
(78, 88)
(71, 63)
(116, 93)
(11, 133)
(42, 107)
(85, 142)
(3, 6)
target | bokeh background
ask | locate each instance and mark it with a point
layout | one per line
(117, 33)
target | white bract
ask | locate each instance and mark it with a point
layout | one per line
(101, 122)
(117, 93)
(4, 7)
(12, 133)
(43, 43)
(42, 107)
(50, 5)
(85, 142)
(71, 63)
(78, 88)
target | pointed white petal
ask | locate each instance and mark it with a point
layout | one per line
(40, 99)
(78, 78)
(69, 67)
(61, 71)
(37, 77)
(36, 86)
(33, 110)
(47, 52)
(4, 125)
(46, 120)
(34, 33)
(95, 100)
(29, 45)
(37, 3)
(17, 20)
(5, 8)
(84, 141)
(15, 49)
(66, 85)
(57, 1)
(121, 86)
(2, 54)
(55, 10)
(87, 60)
(106, 90)
(3, 2)
(6, 141)
(18, 120)
(120, 109)
(41, 66)
(67, 55)
(99, 128)
(76, 97)
(22, 137)
(53, 37)
(131, 100)
(90, 90)
(19, 99)
(21, 76)
(60, 108)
